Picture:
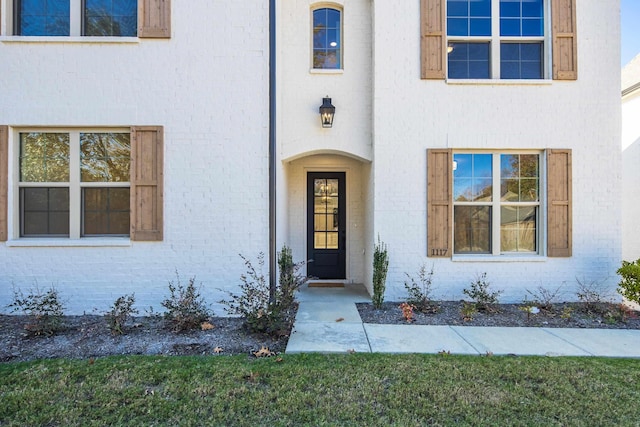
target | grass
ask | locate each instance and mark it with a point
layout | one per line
(356, 389)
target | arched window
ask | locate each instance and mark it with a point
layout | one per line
(327, 38)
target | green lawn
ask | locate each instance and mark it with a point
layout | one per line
(356, 389)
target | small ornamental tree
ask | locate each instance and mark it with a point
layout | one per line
(380, 268)
(629, 286)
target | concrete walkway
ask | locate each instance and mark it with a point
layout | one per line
(328, 322)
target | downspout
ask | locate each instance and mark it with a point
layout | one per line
(272, 151)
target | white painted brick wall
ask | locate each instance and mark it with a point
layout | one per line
(581, 115)
(631, 177)
(208, 86)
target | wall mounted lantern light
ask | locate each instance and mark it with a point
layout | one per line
(327, 111)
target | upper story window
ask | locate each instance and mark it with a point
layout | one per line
(327, 38)
(87, 18)
(54, 18)
(496, 39)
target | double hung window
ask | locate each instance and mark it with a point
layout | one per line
(58, 18)
(74, 184)
(490, 202)
(496, 39)
(327, 38)
(496, 203)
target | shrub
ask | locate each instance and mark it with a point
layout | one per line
(480, 295)
(120, 312)
(544, 298)
(592, 296)
(380, 268)
(186, 309)
(254, 304)
(44, 310)
(419, 290)
(290, 278)
(629, 286)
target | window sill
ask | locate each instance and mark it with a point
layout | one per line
(85, 242)
(326, 71)
(501, 258)
(67, 39)
(498, 82)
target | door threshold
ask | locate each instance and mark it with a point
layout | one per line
(326, 283)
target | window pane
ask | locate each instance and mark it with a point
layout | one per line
(521, 61)
(105, 157)
(110, 18)
(105, 211)
(521, 18)
(327, 42)
(43, 18)
(472, 177)
(468, 60)
(472, 226)
(469, 18)
(518, 229)
(44, 212)
(519, 177)
(44, 157)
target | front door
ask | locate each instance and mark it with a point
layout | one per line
(326, 225)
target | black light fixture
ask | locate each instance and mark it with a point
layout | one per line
(327, 111)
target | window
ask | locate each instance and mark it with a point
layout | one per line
(74, 184)
(495, 39)
(496, 199)
(491, 203)
(96, 18)
(77, 183)
(518, 25)
(327, 40)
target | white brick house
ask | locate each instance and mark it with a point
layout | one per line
(471, 136)
(631, 159)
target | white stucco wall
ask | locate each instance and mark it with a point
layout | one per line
(208, 87)
(631, 174)
(412, 115)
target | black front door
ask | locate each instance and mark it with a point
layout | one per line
(326, 225)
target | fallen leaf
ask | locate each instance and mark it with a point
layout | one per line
(206, 326)
(91, 360)
(279, 359)
(339, 319)
(264, 352)
(218, 350)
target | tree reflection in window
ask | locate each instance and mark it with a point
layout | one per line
(327, 39)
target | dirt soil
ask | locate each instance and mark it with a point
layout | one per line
(88, 336)
(561, 315)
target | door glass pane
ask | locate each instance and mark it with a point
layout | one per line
(332, 240)
(518, 229)
(320, 240)
(472, 229)
(320, 222)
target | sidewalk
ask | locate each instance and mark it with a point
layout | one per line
(328, 322)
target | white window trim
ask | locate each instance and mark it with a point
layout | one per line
(75, 191)
(494, 46)
(541, 226)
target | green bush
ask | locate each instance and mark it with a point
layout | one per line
(120, 312)
(45, 310)
(480, 294)
(380, 269)
(186, 309)
(254, 304)
(419, 290)
(629, 286)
